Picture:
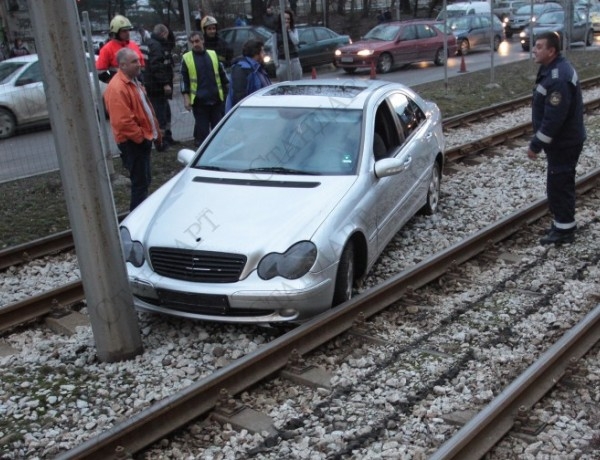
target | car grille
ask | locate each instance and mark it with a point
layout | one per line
(198, 266)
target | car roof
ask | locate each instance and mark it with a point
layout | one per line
(324, 93)
(26, 58)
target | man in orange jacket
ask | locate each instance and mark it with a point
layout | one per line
(133, 123)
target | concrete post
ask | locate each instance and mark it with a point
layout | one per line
(85, 179)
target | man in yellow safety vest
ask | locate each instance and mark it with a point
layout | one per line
(204, 86)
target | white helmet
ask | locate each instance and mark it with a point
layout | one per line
(207, 21)
(119, 22)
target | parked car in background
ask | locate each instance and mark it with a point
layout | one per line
(464, 8)
(277, 228)
(22, 94)
(317, 47)
(518, 21)
(393, 44)
(594, 18)
(237, 36)
(554, 21)
(504, 9)
(474, 31)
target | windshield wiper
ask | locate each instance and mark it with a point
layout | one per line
(213, 168)
(279, 170)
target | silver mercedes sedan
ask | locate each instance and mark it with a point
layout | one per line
(287, 204)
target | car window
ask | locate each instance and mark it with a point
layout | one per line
(9, 68)
(323, 34)
(387, 132)
(306, 36)
(301, 141)
(384, 32)
(408, 33)
(425, 31)
(33, 74)
(408, 112)
(552, 17)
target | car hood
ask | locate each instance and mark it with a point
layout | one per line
(236, 213)
(375, 45)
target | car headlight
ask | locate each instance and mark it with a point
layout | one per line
(266, 59)
(292, 264)
(338, 53)
(133, 251)
(365, 52)
(523, 35)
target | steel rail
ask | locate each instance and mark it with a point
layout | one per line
(175, 411)
(33, 308)
(484, 430)
(503, 107)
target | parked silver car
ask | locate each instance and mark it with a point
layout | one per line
(22, 94)
(288, 202)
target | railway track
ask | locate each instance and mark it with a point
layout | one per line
(204, 396)
(200, 399)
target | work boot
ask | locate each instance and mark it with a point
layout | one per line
(555, 236)
(169, 138)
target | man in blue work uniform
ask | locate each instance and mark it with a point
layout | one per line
(557, 116)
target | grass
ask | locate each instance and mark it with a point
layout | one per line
(35, 207)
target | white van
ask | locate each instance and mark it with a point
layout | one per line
(462, 8)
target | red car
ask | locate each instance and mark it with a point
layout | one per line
(393, 44)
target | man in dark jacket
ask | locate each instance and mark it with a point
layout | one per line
(247, 73)
(158, 80)
(557, 116)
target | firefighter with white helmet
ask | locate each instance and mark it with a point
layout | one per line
(212, 41)
(107, 64)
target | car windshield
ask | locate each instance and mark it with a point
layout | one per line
(384, 32)
(304, 141)
(525, 10)
(459, 23)
(7, 68)
(553, 17)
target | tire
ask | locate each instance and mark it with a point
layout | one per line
(525, 47)
(589, 38)
(508, 34)
(344, 278)
(497, 41)
(8, 124)
(433, 191)
(439, 57)
(350, 70)
(464, 47)
(385, 63)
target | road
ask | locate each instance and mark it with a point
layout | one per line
(34, 153)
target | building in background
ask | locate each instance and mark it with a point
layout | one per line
(15, 23)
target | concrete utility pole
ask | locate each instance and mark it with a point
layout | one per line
(85, 179)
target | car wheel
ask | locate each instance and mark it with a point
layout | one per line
(384, 63)
(440, 57)
(497, 42)
(589, 40)
(8, 123)
(350, 69)
(464, 47)
(508, 34)
(525, 47)
(345, 276)
(433, 191)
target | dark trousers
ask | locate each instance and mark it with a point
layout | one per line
(206, 118)
(560, 184)
(162, 111)
(136, 160)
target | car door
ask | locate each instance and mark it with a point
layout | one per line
(308, 48)
(29, 89)
(392, 192)
(580, 26)
(427, 42)
(406, 48)
(479, 31)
